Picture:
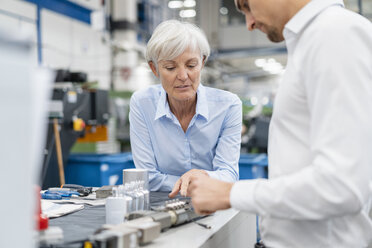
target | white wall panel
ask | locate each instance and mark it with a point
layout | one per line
(19, 7)
(19, 16)
(74, 45)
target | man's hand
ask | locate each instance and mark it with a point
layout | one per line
(209, 195)
(183, 183)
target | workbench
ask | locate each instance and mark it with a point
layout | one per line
(229, 228)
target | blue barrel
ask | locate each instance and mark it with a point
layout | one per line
(253, 166)
(97, 169)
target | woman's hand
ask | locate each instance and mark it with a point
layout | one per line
(182, 184)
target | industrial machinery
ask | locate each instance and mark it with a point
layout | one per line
(76, 112)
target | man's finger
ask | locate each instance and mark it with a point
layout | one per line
(175, 189)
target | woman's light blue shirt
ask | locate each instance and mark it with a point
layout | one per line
(211, 142)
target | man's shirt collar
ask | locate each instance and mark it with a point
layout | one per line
(300, 20)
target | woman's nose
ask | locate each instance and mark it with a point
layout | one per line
(182, 74)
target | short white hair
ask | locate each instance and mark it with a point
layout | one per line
(171, 38)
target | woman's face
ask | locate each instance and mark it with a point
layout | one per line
(180, 77)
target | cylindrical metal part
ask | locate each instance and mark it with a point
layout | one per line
(131, 175)
(164, 218)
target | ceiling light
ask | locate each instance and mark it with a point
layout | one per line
(260, 62)
(189, 3)
(254, 100)
(224, 11)
(175, 4)
(187, 13)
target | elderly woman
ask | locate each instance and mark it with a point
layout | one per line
(181, 128)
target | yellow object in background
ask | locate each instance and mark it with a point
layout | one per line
(78, 124)
(88, 244)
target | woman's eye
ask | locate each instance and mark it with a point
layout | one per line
(191, 66)
(170, 68)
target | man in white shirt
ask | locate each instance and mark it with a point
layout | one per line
(320, 138)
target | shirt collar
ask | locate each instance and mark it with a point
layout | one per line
(299, 21)
(163, 108)
(201, 104)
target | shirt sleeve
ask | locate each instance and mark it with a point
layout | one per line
(142, 150)
(226, 159)
(337, 77)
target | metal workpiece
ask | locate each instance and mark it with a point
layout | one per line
(171, 213)
(117, 238)
(164, 218)
(176, 204)
(145, 227)
(104, 191)
(148, 231)
(173, 216)
(139, 214)
(130, 234)
(132, 175)
(184, 216)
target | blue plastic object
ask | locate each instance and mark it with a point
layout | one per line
(51, 196)
(57, 195)
(253, 166)
(97, 170)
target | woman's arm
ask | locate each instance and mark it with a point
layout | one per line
(142, 149)
(226, 159)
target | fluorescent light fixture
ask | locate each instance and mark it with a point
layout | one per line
(273, 68)
(254, 100)
(265, 100)
(188, 13)
(260, 62)
(175, 4)
(270, 65)
(224, 11)
(189, 3)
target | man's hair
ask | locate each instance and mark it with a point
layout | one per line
(171, 38)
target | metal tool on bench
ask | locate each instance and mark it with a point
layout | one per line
(58, 195)
(171, 213)
(84, 191)
(127, 234)
(145, 226)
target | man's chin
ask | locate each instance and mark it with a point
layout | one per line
(275, 38)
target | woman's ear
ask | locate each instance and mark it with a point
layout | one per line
(153, 68)
(204, 59)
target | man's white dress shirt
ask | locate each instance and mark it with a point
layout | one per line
(320, 139)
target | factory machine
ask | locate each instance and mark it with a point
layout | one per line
(76, 113)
